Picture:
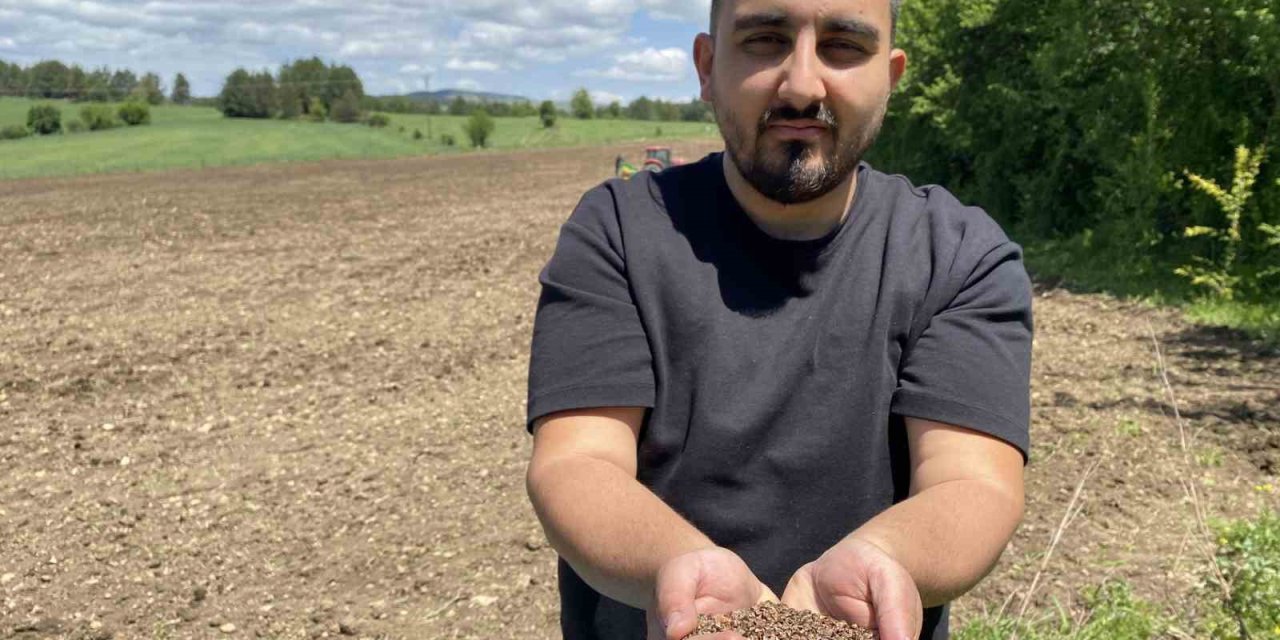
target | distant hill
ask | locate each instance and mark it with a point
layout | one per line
(447, 95)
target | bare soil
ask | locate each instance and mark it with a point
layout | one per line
(287, 402)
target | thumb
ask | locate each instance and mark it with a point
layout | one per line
(674, 594)
(897, 604)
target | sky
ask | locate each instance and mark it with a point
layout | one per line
(540, 49)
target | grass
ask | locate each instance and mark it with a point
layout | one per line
(1083, 266)
(197, 137)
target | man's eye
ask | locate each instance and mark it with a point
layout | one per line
(765, 44)
(844, 46)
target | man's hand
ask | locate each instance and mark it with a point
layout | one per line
(708, 581)
(858, 583)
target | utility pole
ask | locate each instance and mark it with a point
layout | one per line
(426, 82)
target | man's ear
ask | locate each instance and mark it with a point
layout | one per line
(704, 54)
(897, 66)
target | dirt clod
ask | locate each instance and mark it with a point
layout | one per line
(774, 621)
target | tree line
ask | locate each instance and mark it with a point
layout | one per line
(1141, 132)
(54, 80)
(581, 106)
(307, 88)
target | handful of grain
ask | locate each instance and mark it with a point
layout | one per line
(775, 621)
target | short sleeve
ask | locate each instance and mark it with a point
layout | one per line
(971, 366)
(589, 347)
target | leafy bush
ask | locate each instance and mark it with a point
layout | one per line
(248, 95)
(98, 117)
(448, 140)
(547, 112)
(479, 127)
(1060, 126)
(417, 134)
(378, 121)
(1249, 558)
(346, 109)
(134, 113)
(44, 119)
(316, 111)
(14, 132)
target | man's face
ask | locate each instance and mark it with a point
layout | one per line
(799, 89)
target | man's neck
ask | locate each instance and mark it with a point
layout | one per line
(805, 221)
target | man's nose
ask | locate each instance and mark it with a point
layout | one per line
(802, 82)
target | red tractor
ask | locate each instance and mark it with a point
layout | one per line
(655, 159)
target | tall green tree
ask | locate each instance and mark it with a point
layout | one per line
(122, 84)
(47, 79)
(641, 109)
(300, 81)
(341, 80)
(98, 85)
(248, 95)
(181, 90)
(459, 106)
(13, 79)
(77, 84)
(581, 105)
(149, 89)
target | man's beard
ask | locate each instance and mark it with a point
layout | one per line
(785, 175)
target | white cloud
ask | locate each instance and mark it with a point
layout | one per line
(415, 68)
(457, 64)
(650, 65)
(602, 98)
(390, 42)
(695, 11)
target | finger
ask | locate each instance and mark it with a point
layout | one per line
(674, 595)
(899, 613)
(799, 593)
(723, 635)
(766, 594)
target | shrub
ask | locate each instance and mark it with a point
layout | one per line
(13, 132)
(316, 111)
(479, 127)
(346, 109)
(417, 134)
(1249, 558)
(135, 113)
(74, 126)
(448, 140)
(44, 119)
(547, 112)
(98, 117)
(379, 120)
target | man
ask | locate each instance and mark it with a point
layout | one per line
(778, 373)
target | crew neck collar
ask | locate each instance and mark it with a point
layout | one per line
(739, 216)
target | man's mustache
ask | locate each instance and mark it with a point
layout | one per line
(817, 111)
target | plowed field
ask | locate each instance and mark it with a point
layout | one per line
(287, 402)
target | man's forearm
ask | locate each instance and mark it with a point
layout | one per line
(612, 530)
(948, 536)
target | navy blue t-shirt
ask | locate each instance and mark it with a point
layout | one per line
(777, 372)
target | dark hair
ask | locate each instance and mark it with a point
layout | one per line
(895, 6)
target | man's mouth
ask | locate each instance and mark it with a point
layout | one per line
(798, 129)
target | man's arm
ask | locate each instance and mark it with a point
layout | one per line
(966, 501)
(613, 531)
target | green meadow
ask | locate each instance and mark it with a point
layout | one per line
(195, 137)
